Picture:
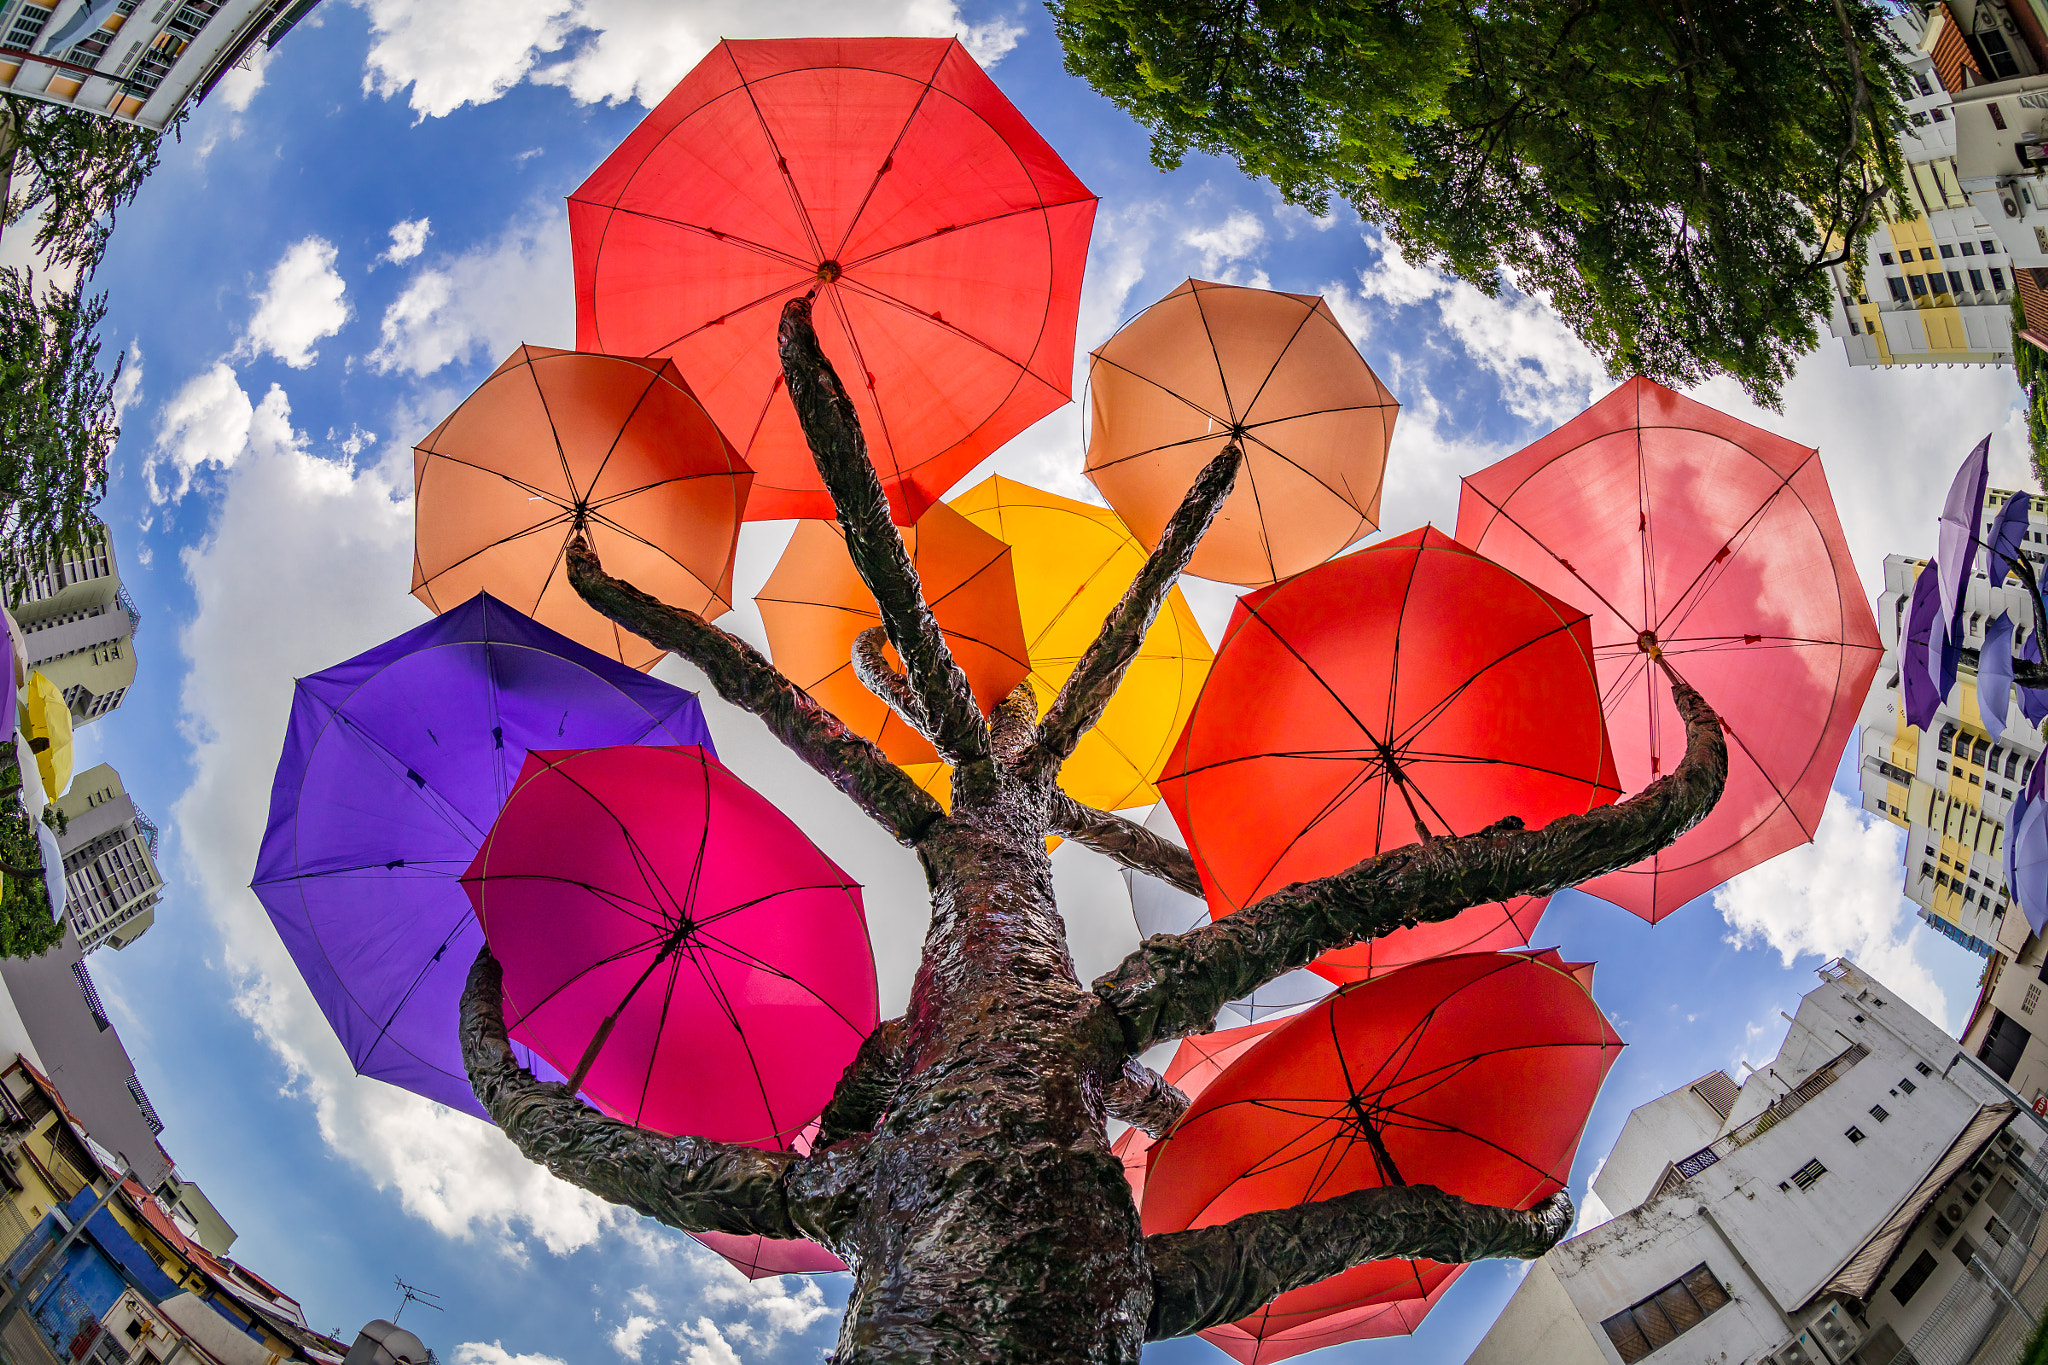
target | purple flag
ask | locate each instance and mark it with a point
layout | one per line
(1921, 697)
(395, 765)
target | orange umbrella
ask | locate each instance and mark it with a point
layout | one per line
(1212, 360)
(815, 604)
(554, 438)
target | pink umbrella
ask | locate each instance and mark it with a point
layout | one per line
(673, 943)
(760, 1258)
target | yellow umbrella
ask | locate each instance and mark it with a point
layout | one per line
(1072, 563)
(46, 722)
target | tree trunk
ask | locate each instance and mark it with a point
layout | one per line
(963, 1169)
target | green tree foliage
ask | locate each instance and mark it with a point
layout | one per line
(26, 926)
(58, 422)
(1677, 178)
(2030, 363)
(79, 168)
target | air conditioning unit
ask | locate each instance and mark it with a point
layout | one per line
(1799, 1351)
(2010, 202)
(1839, 1334)
(1979, 1182)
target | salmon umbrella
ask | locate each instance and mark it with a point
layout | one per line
(1211, 363)
(395, 764)
(1473, 1073)
(815, 605)
(1736, 570)
(1072, 562)
(1405, 692)
(674, 943)
(557, 440)
(943, 237)
(1160, 908)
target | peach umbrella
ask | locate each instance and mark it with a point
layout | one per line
(556, 439)
(815, 605)
(1213, 361)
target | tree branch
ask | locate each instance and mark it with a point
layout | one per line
(850, 763)
(832, 428)
(865, 1088)
(1216, 1275)
(880, 677)
(2025, 673)
(1095, 678)
(686, 1182)
(1126, 841)
(1145, 1099)
(1174, 983)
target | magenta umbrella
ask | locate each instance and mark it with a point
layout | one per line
(673, 943)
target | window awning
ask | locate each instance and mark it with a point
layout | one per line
(1862, 1272)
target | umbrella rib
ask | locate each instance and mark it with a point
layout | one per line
(782, 165)
(887, 442)
(1352, 786)
(1435, 710)
(746, 959)
(384, 1028)
(868, 291)
(581, 973)
(1503, 514)
(779, 291)
(554, 435)
(1278, 356)
(724, 1002)
(853, 220)
(1743, 532)
(534, 489)
(719, 234)
(560, 519)
(588, 499)
(675, 970)
(1027, 211)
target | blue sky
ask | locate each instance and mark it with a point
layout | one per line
(286, 348)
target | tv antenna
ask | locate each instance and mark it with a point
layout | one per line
(414, 1294)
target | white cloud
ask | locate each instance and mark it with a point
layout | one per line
(494, 1353)
(514, 288)
(630, 1336)
(787, 1304)
(1234, 239)
(408, 239)
(708, 1345)
(472, 51)
(128, 387)
(304, 303)
(1837, 897)
(239, 86)
(1593, 1209)
(205, 423)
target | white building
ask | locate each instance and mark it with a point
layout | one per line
(79, 625)
(1951, 789)
(138, 61)
(1873, 1196)
(111, 880)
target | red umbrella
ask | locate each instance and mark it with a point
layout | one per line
(1198, 1060)
(1400, 1319)
(944, 237)
(673, 943)
(1472, 1073)
(1406, 690)
(1737, 569)
(1482, 929)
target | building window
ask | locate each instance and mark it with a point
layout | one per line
(1997, 116)
(1990, 248)
(1998, 279)
(1907, 1085)
(1947, 252)
(28, 23)
(1983, 746)
(1948, 734)
(1879, 1112)
(1908, 1284)
(1854, 1134)
(1976, 281)
(1969, 248)
(1807, 1174)
(1884, 257)
(1918, 284)
(2003, 1043)
(1926, 253)
(1666, 1315)
(1898, 287)
(1955, 280)
(2033, 998)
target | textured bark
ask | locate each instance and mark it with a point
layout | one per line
(1089, 687)
(1217, 1275)
(1174, 983)
(962, 1168)
(741, 676)
(880, 677)
(1127, 841)
(876, 547)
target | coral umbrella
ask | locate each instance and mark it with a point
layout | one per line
(1072, 563)
(1472, 1073)
(1210, 362)
(944, 239)
(1687, 532)
(1408, 691)
(553, 440)
(395, 764)
(673, 942)
(46, 725)
(1163, 909)
(815, 604)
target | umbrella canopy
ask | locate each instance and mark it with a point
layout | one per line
(815, 604)
(2026, 850)
(1072, 563)
(557, 438)
(759, 1258)
(1960, 533)
(1213, 362)
(1994, 675)
(2008, 539)
(944, 239)
(1686, 531)
(1472, 1073)
(1410, 690)
(14, 672)
(674, 943)
(1397, 1319)
(1197, 1060)
(46, 723)
(54, 886)
(395, 764)
(1163, 909)
(1924, 640)
(2033, 700)
(1482, 929)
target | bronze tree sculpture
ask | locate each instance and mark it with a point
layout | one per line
(962, 1169)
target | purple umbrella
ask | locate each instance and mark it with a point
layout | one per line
(1962, 518)
(395, 765)
(1923, 624)
(2009, 536)
(2026, 851)
(2033, 700)
(1994, 675)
